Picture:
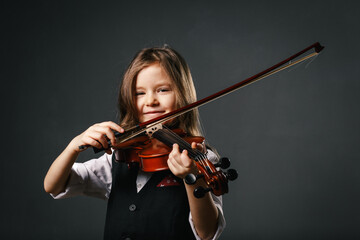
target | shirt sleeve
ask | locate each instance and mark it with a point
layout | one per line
(92, 178)
(218, 203)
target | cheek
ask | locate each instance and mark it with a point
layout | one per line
(172, 102)
(138, 104)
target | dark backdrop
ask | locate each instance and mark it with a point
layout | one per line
(293, 137)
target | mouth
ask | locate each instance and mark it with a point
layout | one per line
(154, 112)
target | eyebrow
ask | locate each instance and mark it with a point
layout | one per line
(158, 85)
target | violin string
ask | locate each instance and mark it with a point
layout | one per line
(194, 153)
(168, 137)
(174, 138)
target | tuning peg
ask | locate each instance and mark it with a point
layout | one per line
(191, 179)
(199, 192)
(223, 163)
(231, 174)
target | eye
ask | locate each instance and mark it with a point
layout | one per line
(164, 89)
(139, 93)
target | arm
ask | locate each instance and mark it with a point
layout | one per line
(96, 136)
(203, 210)
(58, 173)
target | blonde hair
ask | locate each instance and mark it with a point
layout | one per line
(178, 71)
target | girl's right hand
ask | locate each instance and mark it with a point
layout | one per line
(97, 136)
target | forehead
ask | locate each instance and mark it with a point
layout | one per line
(153, 74)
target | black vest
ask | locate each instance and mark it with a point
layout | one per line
(153, 213)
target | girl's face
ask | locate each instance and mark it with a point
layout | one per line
(155, 93)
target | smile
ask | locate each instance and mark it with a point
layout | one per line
(154, 112)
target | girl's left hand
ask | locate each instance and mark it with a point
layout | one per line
(179, 162)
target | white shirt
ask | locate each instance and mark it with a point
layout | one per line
(93, 178)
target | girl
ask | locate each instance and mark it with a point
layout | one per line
(143, 205)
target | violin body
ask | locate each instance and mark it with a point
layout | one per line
(152, 155)
(154, 158)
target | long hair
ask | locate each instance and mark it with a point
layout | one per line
(177, 69)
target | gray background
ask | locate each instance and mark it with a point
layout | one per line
(293, 137)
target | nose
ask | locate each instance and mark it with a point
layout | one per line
(151, 100)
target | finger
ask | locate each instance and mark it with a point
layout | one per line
(91, 142)
(109, 129)
(176, 168)
(175, 154)
(110, 135)
(106, 133)
(172, 167)
(113, 126)
(180, 160)
(176, 149)
(186, 162)
(202, 147)
(197, 146)
(172, 158)
(100, 137)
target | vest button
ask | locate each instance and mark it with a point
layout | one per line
(132, 207)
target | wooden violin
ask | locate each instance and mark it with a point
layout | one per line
(152, 153)
(145, 149)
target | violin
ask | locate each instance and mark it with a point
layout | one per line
(152, 151)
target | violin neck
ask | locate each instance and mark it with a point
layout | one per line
(169, 138)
